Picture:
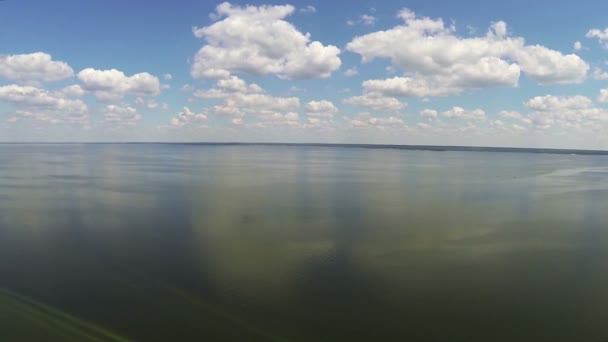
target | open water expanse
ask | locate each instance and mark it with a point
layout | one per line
(170, 242)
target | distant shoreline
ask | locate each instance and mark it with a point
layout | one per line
(433, 148)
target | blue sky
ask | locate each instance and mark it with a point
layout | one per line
(518, 73)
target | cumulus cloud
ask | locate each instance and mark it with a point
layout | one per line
(256, 40)
(43, 105)
(260, 102)
(151, 104)
(461, 113)
(239, 98)
(121, 114)
(366, 120)
(188, 117)
(501, 127)
(550, 103)
(73, 90)
(33, 67)
(548, 66)
(376, 102)
(237, 85)
(512, 115)
(601, 36)
(566, 111)
(321, 109)
(437, 62)
(269, 119)
(36, 97)
(111, 85)
(410, 87)
(577, 46)
(603, 97)
(599, 74)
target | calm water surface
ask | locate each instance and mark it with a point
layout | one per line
(189, 243)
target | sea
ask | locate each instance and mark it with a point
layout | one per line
(288, 242)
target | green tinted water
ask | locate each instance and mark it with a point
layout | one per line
(177, 242)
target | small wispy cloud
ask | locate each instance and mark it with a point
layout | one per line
(364, 19)
(308, 9)
(351, 72)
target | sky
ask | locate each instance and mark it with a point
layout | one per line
(517, 73)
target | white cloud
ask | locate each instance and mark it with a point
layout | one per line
(367, 20)
(351, 72)
(461, 113)
(599, 74)
(228, 110)
(237, 85)
(424, 126)
(551, 67)
(577, 46)
(259, 102)
(438, 62)
(512, 115)
(167, 77)
(366, 120)
(239, 98)
(277, 119)
(43, 105)
(566, 111)
(390, 70)
(74, 90)
(517, 127)
(50, 116)
(257, 41)
(123, 115)
(111, 85)
(187, 88)
(40, 98)
(551, 103)
(410, 87)
(321, 109)
(501, 127)
(364, 19)
(429, 113)
(188, 117)
(150, 104)
(376, 102)
(603, 97)
(601, 36)
(33, 67)
(308, 9)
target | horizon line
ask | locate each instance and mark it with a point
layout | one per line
(432, 148)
